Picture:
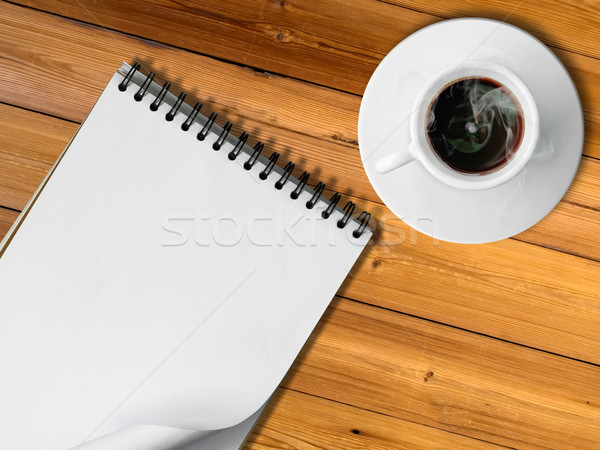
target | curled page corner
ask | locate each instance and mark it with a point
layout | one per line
(154, 437)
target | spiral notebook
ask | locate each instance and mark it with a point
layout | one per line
(162, 280)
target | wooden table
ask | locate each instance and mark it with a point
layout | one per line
(427, 344)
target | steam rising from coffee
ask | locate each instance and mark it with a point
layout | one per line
(475, 125)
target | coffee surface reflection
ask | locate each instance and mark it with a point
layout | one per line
(475, 125)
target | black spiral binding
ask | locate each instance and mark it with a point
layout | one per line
(319, 188)
(123, 84)
(206, 128)
(238, 147)
(139, 95)
(160, 97)
(219, 142)
(333, 201)
(363, 218)
(188, 122)
(348, 210)
(270, 166)
(287, 171)
(258, 148)
(301, 185)
(171, 114)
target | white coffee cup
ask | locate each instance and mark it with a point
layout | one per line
(420, 149)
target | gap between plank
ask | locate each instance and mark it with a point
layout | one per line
(154, 42)
(450, 18)
(7, 208)
(39, 112)
(391, 417)
(467, 330)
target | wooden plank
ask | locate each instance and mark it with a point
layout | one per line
(297, 37)
(568, 24)
(312, 122)
(7, 218)
(408, 368)
(521, 293)
(569, 228)
(585, 190)
(325, 120)
(30, 145)
(316, 40)
(168, 20)
(296, 420)
(48, 84)
(509, 289)
(313, 40)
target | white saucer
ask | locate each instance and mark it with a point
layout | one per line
(470, 216)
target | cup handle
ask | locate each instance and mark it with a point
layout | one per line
(396, 160)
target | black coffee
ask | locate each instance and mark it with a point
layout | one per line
(475, 125)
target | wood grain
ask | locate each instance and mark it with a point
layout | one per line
(568, 24)
(525, 294)
(509, 289)
(401, 381)
(436, 375)
(569, 228)
(314, 122)
(296, 420)
(27, 152)
(321, 120)
(317, 40)
(7, 218)
(392, 24)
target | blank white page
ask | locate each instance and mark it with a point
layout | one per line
(156, 282)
